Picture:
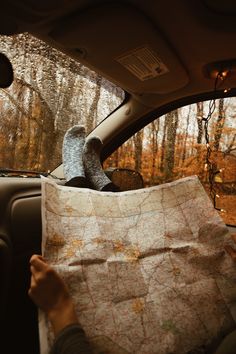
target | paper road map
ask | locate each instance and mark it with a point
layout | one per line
(147, 268)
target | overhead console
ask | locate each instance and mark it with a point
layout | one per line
(101, 37)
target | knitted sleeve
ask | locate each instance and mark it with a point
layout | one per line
(71, 340)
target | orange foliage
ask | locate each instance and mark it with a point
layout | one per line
(193, 164)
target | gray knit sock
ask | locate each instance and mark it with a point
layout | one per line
(93, 168)
(72, 156)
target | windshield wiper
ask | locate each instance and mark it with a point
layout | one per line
(8, 172)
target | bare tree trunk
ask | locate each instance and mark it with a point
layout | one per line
(116, 158)
(138, 145)
(199, 121)
(179, 143)
(172, 124)
(155, 128)
(186, 136)
(219, 124)
(163, 144)
(129, 153)
(92, 116)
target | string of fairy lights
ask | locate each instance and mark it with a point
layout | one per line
(210, 165)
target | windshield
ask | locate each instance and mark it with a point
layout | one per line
(50, 93)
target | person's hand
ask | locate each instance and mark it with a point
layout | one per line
(49, 292)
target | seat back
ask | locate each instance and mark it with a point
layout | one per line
(20, 225)
(5, 271)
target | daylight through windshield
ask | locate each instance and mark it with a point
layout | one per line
(50, 93)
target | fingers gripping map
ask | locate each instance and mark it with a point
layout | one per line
(146, 268)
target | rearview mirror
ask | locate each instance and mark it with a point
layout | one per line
(6, 71)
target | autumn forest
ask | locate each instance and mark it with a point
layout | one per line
(174, 146)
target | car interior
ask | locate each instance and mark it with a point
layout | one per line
(163, 55)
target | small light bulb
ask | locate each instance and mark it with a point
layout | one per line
(217, 196)
(205, 167)
(222, 210)
(223, 75)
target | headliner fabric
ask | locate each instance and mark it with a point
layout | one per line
(146, 268)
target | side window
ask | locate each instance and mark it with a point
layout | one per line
(174, 146)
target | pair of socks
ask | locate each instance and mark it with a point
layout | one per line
(81, 161)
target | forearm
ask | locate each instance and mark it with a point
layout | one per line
(71, 340)
(62, 316)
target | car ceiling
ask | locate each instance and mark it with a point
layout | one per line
(183, 37)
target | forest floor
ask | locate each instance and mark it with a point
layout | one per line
(228, 204)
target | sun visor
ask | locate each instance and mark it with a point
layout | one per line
(123, 44)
